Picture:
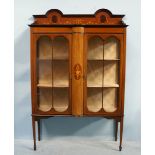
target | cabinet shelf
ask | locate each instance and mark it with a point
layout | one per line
(44, 59)
(60, 86)
(103, 59)
(44, 85)
(53, 59)
(111, 85)
(50, 86)
(94, 86)
(105, 85)
(60, 59)
(111, 59)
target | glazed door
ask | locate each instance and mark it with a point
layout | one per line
(102, 74)
(53, 74)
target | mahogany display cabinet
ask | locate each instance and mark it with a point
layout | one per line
(78, 66)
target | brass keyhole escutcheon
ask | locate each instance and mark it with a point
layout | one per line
(77, 71)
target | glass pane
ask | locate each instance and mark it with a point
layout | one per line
(60, 48)
(102, 74)
(95, 48)
(60, 74)
(45, 72)
(45, 48)
(94, 99)
(110, 100)
(111, 49)
(45, 99)
(44, 67)
(110, 73)
(94, 73)
(53, 74)
(60, 99)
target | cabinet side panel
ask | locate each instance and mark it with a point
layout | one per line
(77, 71)
(32, 70)
(124, 70)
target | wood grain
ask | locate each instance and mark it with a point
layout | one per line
(70, 77)
(77, 58)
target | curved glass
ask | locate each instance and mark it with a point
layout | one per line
(60, 48)
(44, 48)
(94, 99)
(111, 48)
(45, 99)
(44, 53)
(110, 99)
(53, 73)
(95, 48)
(44, 73)
(60, 74)
(94, 74)
(111, 74)
(60, 99)
(102, 74)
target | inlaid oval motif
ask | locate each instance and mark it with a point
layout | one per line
(102, 19)
(77, 71)
(54, 19)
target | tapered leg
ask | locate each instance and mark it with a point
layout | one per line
(38, 130)
(116, 129)
(34, 132)
(121, 133)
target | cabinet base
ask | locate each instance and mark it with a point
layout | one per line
(37, 118)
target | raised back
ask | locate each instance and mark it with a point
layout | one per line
(101, 17)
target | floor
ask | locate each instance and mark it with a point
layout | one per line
(72, 146)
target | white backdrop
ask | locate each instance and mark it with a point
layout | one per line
(86, 127)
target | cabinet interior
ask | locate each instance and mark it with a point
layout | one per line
(45, 99)
(110, 99)
(60, 48)
(60, 74)
(53, 74)
(94, 99)
(94, 73)
(102, 74)
(60, 99)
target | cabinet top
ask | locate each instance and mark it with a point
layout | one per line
(101, 18)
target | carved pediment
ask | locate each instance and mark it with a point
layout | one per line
(101, 17)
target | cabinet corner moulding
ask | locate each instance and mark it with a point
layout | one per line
(78, 66)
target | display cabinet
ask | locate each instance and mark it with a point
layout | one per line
(78, 66)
